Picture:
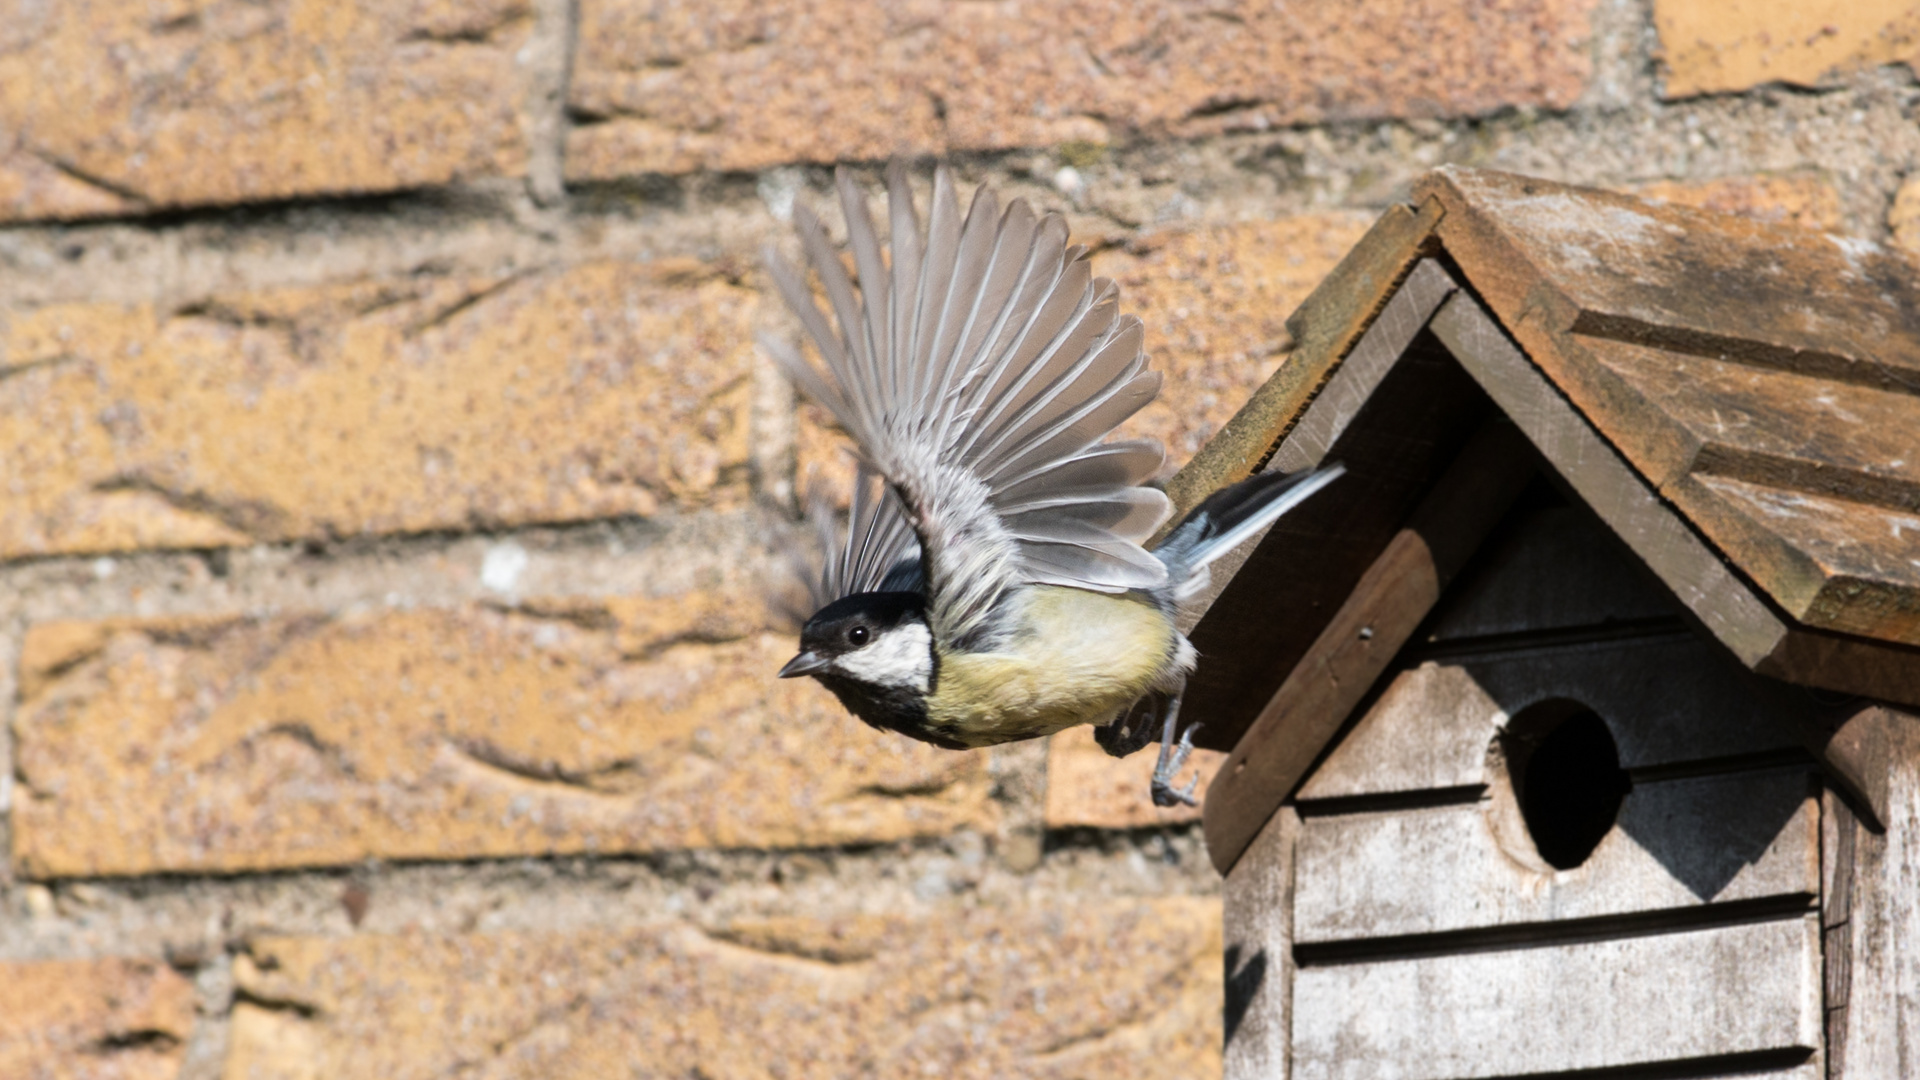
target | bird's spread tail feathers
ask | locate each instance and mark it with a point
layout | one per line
(1228, 518)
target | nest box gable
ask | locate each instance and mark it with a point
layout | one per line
(1570, 731)
(1737, 403)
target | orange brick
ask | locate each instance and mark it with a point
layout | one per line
(123, 106)
(1087, 787)
(1713, 46)
(1107, 988)
(375, 407)
(93, 1020)
(632, 725)
(745, 84)
(1215, 302)
(1807, 200)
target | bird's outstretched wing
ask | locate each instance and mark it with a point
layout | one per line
(877, 552)
(978, 368)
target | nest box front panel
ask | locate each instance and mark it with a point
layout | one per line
(1568, 832)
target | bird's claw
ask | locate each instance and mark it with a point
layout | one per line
(1172, 759)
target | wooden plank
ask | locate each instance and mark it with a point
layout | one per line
(1692, 281)
(1744, 989)
(1378, 617)
(1833, 563)
(1267, 617)
(1548, 569)
(1880, 1032)
(1333, 409)
(1770, 427)
(1850, 665)
(1587, 280)
(1691, 570)
(1324, 328)
(1665, 700)
(1257, 916)
(1839, 836)
(1679, 843)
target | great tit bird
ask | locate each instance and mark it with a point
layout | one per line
(992, 584)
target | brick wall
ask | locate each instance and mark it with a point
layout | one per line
(387, 464)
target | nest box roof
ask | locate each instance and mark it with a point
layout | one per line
(1739, 402)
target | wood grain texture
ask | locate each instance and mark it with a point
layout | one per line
(1880, 1031)
(1378, 617)
(1700, 347)
(1552, 569)
(1332, 410)
(1691, 570)
(1257, 913)
(1665, 700)
(1678, 843)
(1410, 428)
(1730, 990)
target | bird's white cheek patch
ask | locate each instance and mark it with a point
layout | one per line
(903, 656)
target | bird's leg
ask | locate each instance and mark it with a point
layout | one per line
(1173, 755)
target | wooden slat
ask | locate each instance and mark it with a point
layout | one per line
(1768, 426)
(1666, 700)
(1693, 281)
(1257, 902)
(1880, 1032)
(1840, 565)
(1378, 617)
(1732, 990)
(1327, 416)
(1255, 631)
(1599, 269)
(1548, 569)
(1692, 571)
(1678, 843)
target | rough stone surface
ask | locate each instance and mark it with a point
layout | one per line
(640, 724)
(1711, 46)
(1087, 788)
(1804, 199)
(93, 1020)
(1107, 989)
(113, 107)
(1903, 217)
(667, 88)
(375, 406)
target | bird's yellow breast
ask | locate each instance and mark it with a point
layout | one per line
(1075, 657)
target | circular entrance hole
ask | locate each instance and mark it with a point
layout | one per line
(1566, 776)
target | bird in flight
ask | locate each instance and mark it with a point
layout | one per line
(992, 583)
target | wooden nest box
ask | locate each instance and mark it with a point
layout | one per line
(1575, 728)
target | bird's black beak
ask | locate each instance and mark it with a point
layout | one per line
(805, 664)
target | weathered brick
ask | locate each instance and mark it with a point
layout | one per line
(1086, 787)
(1710, 46)
(93, 1020)
(373, 407)
(1102, 989)
(1215, 302)
(637, 724)
(124, 106)
(1804, 199)
(1903, 217)
(745, 84)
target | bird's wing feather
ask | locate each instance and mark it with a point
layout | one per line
(978, 367)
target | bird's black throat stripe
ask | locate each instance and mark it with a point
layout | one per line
(900, 709)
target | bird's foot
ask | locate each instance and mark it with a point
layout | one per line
(1173, 756)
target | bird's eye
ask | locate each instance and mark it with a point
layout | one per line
(858, 635)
